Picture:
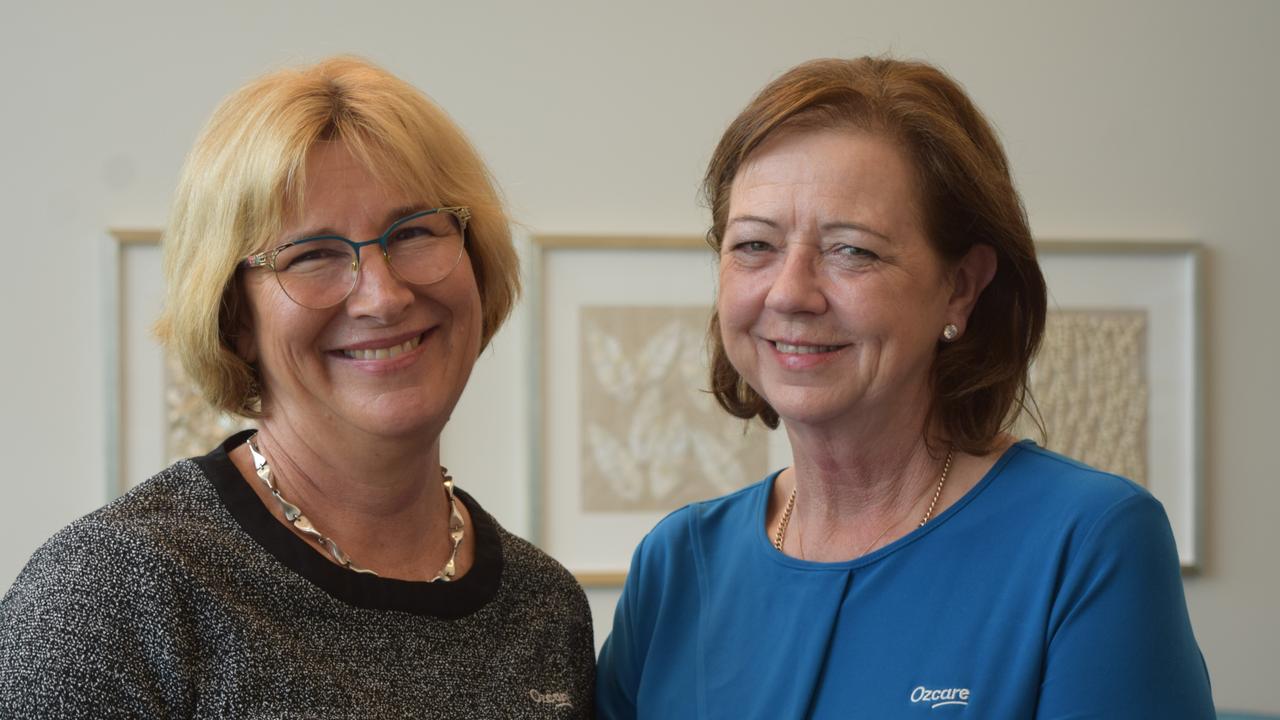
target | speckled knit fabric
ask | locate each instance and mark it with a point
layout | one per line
(185, 598)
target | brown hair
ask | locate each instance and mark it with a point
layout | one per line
(248, 167)
(979, 381)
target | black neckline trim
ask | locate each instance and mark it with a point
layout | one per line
(447, 600)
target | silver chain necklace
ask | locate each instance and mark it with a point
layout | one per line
(300, 522)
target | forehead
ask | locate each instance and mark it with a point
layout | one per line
(828, 169)
(338, 188)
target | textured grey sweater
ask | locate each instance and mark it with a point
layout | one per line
(186, 598)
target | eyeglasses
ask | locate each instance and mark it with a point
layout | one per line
(321, 271)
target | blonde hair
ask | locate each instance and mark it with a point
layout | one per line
(248, 169)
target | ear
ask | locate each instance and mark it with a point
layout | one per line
(968, 279)
(246, 345)
(238, 313)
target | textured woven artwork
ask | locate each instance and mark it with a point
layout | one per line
(651, 438)
(1090, 383)
(192, 426)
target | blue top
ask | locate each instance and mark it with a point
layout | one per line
(1050, 590)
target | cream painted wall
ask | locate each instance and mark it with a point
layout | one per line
(1134, 120)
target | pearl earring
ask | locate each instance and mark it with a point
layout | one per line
(950, 332)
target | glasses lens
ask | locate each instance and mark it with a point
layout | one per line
(316, 273)
(425, 249)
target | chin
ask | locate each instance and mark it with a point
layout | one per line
(392, 428)
(402, 418)
(815, 406)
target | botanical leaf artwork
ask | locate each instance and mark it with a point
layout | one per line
(652, 437)
(1090, 384)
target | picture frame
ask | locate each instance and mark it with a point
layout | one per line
(649, 290)
(1149, 290)
(155, 414)
(1162, 281)
(135, 363)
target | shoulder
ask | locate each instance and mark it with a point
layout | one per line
(1094, 519)
(1063, 489)
(527, 567)
(115, 551)
(538, 590)
(107, 580)
(727, 514)
(672, 550)
(149, 514)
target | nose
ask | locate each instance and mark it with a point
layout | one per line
(797, 287)
(378, 292)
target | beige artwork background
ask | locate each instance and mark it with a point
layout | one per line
(193, 426)
(1091, 387)
(651, 437)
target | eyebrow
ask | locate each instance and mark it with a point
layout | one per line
(325, 230)
(858, 227)
(825, 227)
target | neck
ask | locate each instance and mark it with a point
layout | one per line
(362, 476)
(382, 502)
(856, 495)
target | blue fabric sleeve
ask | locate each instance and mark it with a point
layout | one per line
(1120, 643)
(619, 665)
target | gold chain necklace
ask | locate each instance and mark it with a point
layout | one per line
(303, 525)
(781, 533)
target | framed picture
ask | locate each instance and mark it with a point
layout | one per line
(1119, 378)
(155, 414)
(624, 432)
(623, 429)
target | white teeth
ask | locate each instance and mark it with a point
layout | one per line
(804, 349)
(383, 353)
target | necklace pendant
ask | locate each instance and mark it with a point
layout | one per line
(291, 511)
(337, 553)
(303, 525)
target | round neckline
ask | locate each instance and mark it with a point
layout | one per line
(446, 600)
(765, 542)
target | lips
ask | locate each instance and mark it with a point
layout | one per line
(383, 352)
(802, 348)
(791, 349)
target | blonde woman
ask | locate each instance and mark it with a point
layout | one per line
(336, 260)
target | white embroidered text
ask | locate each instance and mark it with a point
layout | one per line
(559, 699)
(938, 698)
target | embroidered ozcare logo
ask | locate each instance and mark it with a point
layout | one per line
(940, 698)
(559, 699)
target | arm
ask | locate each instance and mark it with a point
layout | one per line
(582, 654)
(1120, 643)
(77, 638)
(622, 658)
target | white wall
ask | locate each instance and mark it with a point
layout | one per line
(1134, 120)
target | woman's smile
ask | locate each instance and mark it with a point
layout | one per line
(801, 355)
(376, 350)
(381, 357)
